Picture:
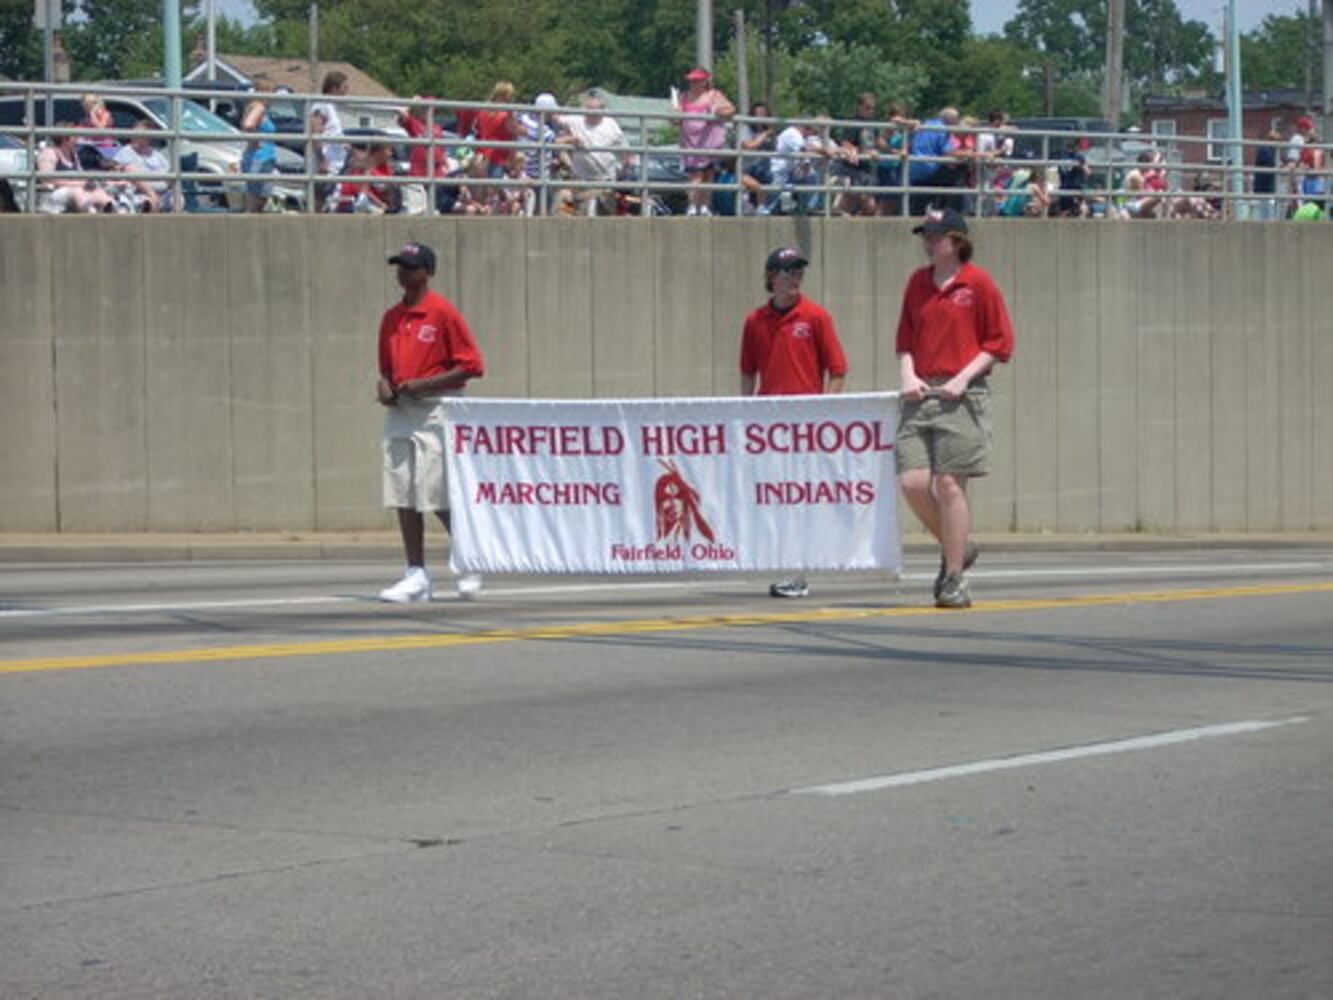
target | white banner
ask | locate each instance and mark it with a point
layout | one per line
(772, 483)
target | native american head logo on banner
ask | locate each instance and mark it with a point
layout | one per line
(678, 507)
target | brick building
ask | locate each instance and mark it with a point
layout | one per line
(1206, 117)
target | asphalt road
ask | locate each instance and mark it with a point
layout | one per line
(1112, 778)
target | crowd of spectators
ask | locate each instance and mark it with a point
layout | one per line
(492, 160)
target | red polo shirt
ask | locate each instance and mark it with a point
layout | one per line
(945, 328)
(426, 339)
(791, 351)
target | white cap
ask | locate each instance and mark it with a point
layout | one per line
(546, 100)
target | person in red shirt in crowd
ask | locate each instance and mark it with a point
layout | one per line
(426, 353)
(413, 122)
(790, 347)
(364, 195)
(953, 329)
(498, 126)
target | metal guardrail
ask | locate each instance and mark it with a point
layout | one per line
(818, 192)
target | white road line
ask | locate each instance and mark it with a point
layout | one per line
(1045, 757)
(139, 609)
(1134, 569)
(693, 583)
(280, 602)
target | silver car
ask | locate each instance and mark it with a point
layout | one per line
(212, 156)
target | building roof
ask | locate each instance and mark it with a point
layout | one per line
(291, 74)
(1252, 100)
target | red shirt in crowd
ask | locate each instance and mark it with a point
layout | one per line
(791, 351)
(425, 340)
(416, 129)
(945, 328)
(497, 126)
(350, 189)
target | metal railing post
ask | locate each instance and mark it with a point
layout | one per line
(311, 160)
(177, 188)
(432, 206)
(29, 109)
(645, 204)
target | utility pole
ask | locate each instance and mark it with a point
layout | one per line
(1327, 131)
(1113, 98)
(212, 40)
(703, 34)
(1311, 55)
(742, 66)
(47, 13)
(171, 44)
(314, 48)
(1235, 115)
(770, 57)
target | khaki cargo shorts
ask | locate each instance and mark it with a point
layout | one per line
(415, 475)
(949, 436)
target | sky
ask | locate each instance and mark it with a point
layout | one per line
(988, 16)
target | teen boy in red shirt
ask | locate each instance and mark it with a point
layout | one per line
(953, 329)
(426, 352)
(790, 347)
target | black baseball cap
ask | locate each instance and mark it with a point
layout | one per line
(415, 255)
(942, 220)
(785, 259)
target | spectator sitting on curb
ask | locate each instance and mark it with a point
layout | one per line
(366, 196)
(759, 137)
(139, 156)
(97, 117)
(498, 126)
(70, 195)
(584, 134)
(542, 161)
(855, 164)
(422, 156)
(933, 165)
(791, 170)
(892, 144)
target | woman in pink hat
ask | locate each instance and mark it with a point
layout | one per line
(705, 130)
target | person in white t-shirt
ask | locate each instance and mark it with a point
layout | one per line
(139, 156)
(789, 169)
(993, 145)
(327, 124)
(585, 133)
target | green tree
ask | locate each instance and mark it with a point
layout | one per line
(1065, 32)
(994, 72)
(826, 79)
(1274, 55)
(1161, 47)
(115, 39)
(20, 43)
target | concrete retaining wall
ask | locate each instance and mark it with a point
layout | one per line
(207, 374)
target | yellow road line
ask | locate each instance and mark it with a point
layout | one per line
(583, 630)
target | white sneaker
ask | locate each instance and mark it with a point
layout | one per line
(792, 586)
(468, 586)
(414, 586)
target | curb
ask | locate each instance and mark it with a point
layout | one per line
(385, 546)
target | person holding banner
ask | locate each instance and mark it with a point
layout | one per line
(790, 347)
(426, 352)
(953, 329)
